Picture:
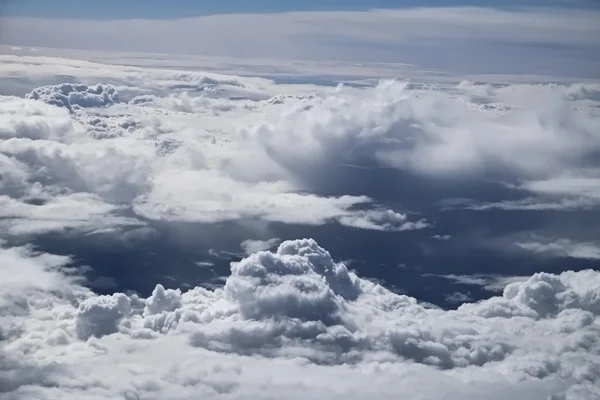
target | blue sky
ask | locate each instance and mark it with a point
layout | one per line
(117, 9)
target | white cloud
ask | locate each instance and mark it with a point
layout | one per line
(309, 325)
(185, 147)
(458, 298)
(224, 148)
(542, 134)
(26, 272)
(562, 248)
(493, 283)
(451, 38)
(76, 95)
(529, 204)
(562, 192)
(254, 246)
(153, 161)
(442, 237)
(80, 211)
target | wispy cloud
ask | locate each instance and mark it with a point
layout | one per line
(493, 283)
(562, 248)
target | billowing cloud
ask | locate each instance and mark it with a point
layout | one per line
(121, 158)
(286, 316)
(185, 154)
(173, 146)
(540, 134)
(76, 95)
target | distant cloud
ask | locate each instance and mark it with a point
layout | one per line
(441, 237)
(251, 246)
(562, 248)
(76, 95)
(556, 193)
(464, 39)
(492, 283)
(458, 298)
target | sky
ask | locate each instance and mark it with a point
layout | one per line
(225, 200)
(115, 9)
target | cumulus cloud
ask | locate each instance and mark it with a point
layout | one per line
(120, 158)
(136, 152)
(292, 314)
(76, 95)
(393, 126)
(188, 147)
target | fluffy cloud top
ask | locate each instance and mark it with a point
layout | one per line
(298, 310)
(293, 322)
(221, 148)
(76, 95)
(124, 158)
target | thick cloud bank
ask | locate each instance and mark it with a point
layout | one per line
(293, 323)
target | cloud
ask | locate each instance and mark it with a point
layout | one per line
(291, 315)
(527, 204)
(75, 95)
(222, 148)
(175, 196)
(565, 192)
(562, 248)
(253, 246)
(464, 39)
(80, 212)
(190, 157)
(393, 125)
(123, 159)
(442, 237)
(24, 269)
(492, 283)
(458, 298)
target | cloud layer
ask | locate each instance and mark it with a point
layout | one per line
(295, 322)
(121, 154)
(148, 145)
